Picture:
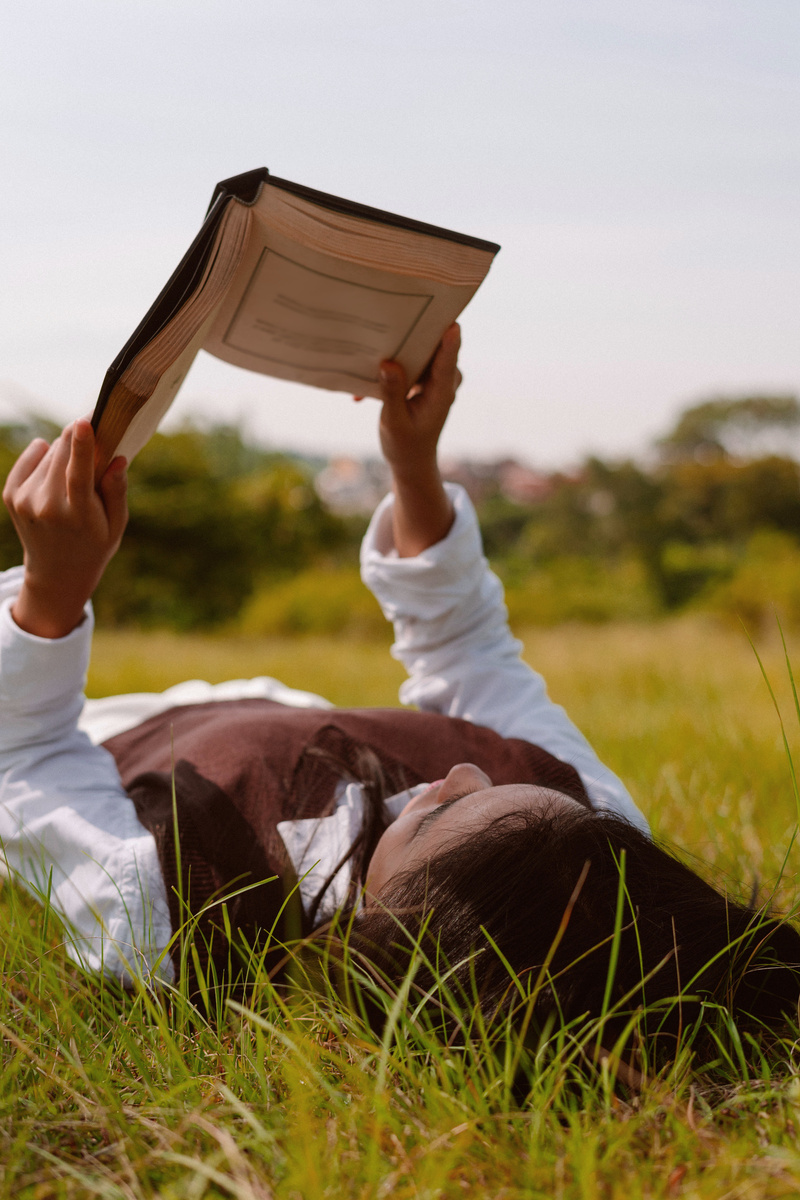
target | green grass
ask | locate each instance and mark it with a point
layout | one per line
(120, 1098)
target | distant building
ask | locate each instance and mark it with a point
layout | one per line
(507, 477)
(522, 484)
(352, 486)
(479, 480)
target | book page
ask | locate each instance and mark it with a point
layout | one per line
(295, 316)
(299, 314)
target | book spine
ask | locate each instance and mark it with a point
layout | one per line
(171, 298)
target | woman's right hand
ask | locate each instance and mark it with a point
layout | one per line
(69, 531)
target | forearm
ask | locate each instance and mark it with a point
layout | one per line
(411, 423)
(422, 514)
(67, 827)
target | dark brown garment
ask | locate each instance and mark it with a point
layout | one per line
(241, 766)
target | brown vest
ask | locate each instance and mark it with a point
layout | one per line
(241, 766)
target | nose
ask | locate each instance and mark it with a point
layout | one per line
(463, 777)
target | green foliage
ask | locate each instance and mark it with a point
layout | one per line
(723, 500)
(716, 428)
(581, 589)
(602, 510)
(220, 528)
(764, 585)
(209, 516)
(200, 533)
(690, 569)
(317, 601)
(13, 440)
(684, 523)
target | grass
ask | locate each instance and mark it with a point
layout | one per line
(118, 1097)
(348, 673)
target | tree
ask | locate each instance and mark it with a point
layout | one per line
(202, 533)
(13, 440)
(747, 427)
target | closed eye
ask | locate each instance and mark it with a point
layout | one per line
(435, 813)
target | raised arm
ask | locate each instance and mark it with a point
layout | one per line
(67, 827)
(423, 559)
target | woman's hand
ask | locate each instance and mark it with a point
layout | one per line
(411, 422)
(69, 531)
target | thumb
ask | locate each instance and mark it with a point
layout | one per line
(114, 491)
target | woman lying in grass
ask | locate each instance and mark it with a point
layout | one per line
(479, 836)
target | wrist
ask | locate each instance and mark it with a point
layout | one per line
(416, 473)
(422, 513)
(46, 613)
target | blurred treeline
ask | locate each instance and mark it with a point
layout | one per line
(224, 534)
(212, 519)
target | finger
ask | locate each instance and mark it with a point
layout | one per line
(58, 462)
(114, 492)
(394, 384)
(80, 467)
(24, 467)
(444, 362)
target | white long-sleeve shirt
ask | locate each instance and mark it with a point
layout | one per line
(69, 830)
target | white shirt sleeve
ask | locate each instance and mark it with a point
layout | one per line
(68, 829)
(452, 636)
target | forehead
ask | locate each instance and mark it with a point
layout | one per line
(479, 808)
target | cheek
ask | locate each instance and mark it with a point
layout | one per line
(380, 865)
(392, 851)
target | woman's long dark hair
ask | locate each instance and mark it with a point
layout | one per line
(344, 760)
(595, 919)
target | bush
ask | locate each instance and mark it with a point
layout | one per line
(320, 600)
(582, 589)
(200, 534)
(687, 570)
(765, 584)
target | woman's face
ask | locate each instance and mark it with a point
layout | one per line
(450, 811)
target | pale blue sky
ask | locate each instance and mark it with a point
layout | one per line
(638, 160)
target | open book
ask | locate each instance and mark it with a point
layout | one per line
(290, 282)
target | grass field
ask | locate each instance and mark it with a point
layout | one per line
(121, 1098)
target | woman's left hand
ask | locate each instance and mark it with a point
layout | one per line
(411, 424)
(412, 419)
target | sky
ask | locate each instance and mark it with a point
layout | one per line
(638, 160)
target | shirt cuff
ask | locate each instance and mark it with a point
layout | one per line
(36, 671)
(429, 584)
